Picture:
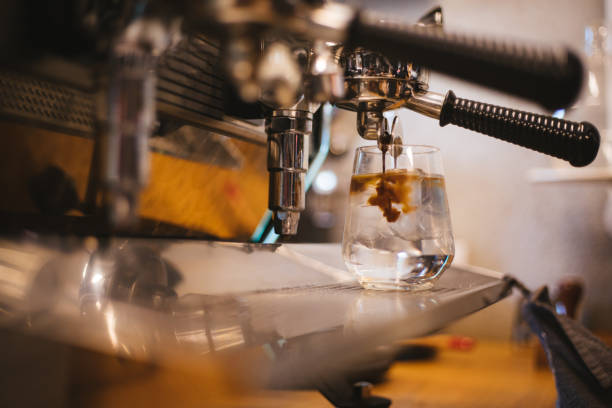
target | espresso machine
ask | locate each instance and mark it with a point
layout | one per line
(138, 75)
(129, 127)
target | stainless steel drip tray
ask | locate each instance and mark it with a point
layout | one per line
(169, 300)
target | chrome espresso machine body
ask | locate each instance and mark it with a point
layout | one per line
(126, 73)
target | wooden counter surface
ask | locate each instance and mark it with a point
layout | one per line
(490, 374)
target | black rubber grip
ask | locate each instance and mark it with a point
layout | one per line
(577, 143)
(550, 76)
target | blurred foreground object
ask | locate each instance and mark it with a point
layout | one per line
(274, 316)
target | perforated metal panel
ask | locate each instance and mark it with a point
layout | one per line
(46, 103)
(189, 89)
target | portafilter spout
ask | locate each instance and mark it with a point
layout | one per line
(373, 85)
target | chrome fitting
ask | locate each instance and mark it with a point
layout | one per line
(288, 141)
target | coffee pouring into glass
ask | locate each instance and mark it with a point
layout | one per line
(397, 232)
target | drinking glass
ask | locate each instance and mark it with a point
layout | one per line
(397, 233)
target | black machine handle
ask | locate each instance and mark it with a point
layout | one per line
(551, 76)
(575, 142)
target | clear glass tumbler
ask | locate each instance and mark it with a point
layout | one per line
(397, 233)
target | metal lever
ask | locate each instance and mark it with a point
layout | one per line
(577, 143)
(549, 76)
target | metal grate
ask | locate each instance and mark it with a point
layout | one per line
(189, 91)
(40, 101)
(189, 77)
